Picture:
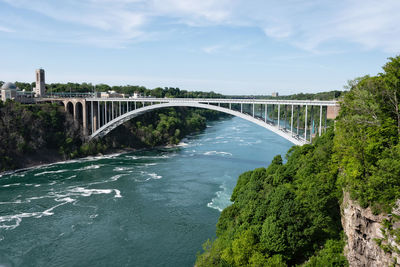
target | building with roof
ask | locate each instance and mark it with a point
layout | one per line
(8, 91)
(11, 91)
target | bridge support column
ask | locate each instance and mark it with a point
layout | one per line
(241, 107)
(95, 116)
(298, 120)
(279, 114)
(320, 121)
(98, 115)
(291, 122)
(91, 117)
(305, 125)
(312, 123)
(84, 118)
(266, 112)
(105, 113)
(272, 114)
(74, 109)
(253, 109)
(112, 110)
(285, 117)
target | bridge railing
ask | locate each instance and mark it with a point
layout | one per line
(222, 100)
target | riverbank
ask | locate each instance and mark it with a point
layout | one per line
(48, 158)
(41, 134)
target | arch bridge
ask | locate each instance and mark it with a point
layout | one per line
(298, 121)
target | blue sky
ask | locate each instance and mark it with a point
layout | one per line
(228, 46)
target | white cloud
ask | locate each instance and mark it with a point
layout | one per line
(194, 11)
(277, 32)
(313, 24)
(211, 49)
(5, 29)
(308, 24)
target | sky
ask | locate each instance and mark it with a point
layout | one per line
(252, 47)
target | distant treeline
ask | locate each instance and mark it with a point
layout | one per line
(331, 95)
(123, 89)
(167, 91)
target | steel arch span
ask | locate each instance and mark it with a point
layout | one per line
(106, 128)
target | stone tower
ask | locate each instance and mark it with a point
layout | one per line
(40, 89)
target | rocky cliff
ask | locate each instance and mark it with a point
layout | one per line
(371, 239)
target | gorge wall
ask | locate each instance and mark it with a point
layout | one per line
(369, 242)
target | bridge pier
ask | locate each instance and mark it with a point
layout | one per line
(305, 125)
(298, 120)
(266, 113)
(320, 121)
(105, 113)
(77, 107)
(74, 113)
(98, 119)
(291, 122)
(94, 117)
(312, 123)
(84, 119)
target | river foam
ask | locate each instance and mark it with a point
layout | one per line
(221, 199)
(49, 172)
(10, 222)
(217, 153)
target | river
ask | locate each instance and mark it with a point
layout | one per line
(145, 208)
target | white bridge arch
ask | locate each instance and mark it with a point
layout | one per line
(121, 110)
(105, 129)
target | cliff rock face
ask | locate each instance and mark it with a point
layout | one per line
(363, 229)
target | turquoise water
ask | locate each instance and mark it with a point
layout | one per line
(146, 208)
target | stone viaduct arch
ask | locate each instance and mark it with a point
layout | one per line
(77, 107)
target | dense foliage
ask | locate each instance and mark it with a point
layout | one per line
(42, 133)
(288, 214)
(282, 215)
(367, 145)
(26, 129)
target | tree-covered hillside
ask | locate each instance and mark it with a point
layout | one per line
(282, 215)
(367, 148)
(288, 214)
(43, 133)
(32, 129)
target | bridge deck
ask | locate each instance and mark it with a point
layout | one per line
(221, 100)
